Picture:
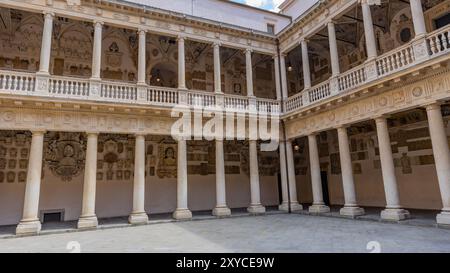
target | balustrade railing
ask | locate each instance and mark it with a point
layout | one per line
(268, 106)
(319, 92)
(120, 92)
(294, 102)
(17, 82)
(201, 99)
(435, 44)
(438, 42)
(396, 60)
(162, 96)
(68, 87)
(352, 78)
(236, 103)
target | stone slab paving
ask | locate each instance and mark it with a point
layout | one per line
(271, 233)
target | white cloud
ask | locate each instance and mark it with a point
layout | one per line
(272, 4)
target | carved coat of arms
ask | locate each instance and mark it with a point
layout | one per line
(65, 154)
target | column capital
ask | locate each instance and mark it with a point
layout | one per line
(433, 105)
(38, 132)
(140, 134)
(142, 31)
(303, 40)
(98, 23)
(216, 44)
(342, 126)
(248, 51)
(181, 38)
(381, 118)
(88, 133)
(48, 14)
(331, 22)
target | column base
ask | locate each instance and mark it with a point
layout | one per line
(28, 227)
(221, 211)
(295, 206)
(394, 214)
(139, 218)
(87, 222)
(256, 209)
(443, 219)
(182, 214)
(352, 211)
(318, 209)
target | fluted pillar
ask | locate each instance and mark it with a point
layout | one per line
(138, 215)
(368, 31)
(182, 212)
(142, 57)
(249, 72)
(217, 69)
(393, 209)
(255, 194)
(46, 46)
(441, 153)
(351, 207)
(418, 18)
(30, 223)
(221, 208)
(318, 205)
(88, 218)
(305, 64)
(333, 49)
(181, 63)
(97, 51)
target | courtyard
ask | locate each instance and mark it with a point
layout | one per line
(270, 233)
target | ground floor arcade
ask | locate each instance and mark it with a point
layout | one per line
(86, 176)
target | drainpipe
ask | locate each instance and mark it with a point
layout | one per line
(283, 129)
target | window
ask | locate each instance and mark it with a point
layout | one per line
(271, 28)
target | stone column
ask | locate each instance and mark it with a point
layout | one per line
(333, 49)
(217, 69)
(181, 64)
(284, 91)
(255, 203)
(441, 154)
(142, 57)
(97, 51)
(318, 205)
(276, 62)
(368, 31)
(138, 215)
(249, 72)
(295, 206)
(393, 209)
(221, 208)
(182, 212)
(88, 219)
(284, 206)
(418, 19)
(46, 47)
(305, 63)
(351, 207)
(30, 223)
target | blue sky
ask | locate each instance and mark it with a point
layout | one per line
(265, 4)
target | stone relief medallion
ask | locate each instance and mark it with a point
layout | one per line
(417, 92)
(167, 163)
(65, 154)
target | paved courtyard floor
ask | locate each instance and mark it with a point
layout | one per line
(270, 233)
